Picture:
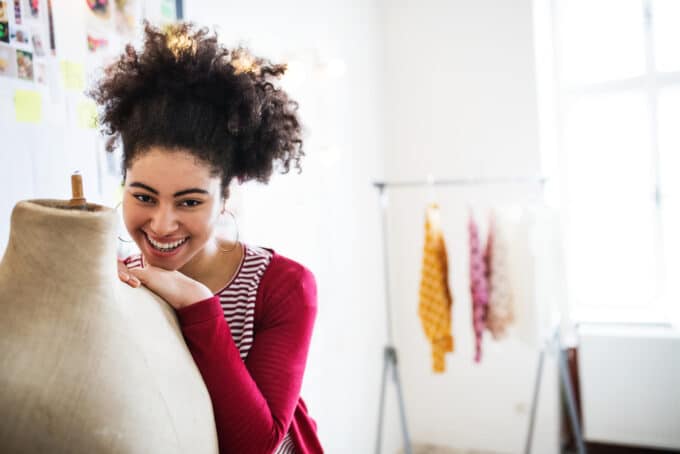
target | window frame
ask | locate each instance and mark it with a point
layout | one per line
(650, 84)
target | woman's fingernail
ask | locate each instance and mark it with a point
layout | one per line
(123, 276)
(135, 282)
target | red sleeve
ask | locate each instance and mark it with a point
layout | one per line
(254, 401)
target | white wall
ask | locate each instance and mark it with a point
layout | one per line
(461, 102)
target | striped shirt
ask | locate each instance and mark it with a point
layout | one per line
(237, 299)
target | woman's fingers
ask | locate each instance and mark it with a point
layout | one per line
(138, 275)
(125, 276)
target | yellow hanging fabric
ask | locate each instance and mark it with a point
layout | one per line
(435, 303)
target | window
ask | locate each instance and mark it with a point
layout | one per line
(617, 70)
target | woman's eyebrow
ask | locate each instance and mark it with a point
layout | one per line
(189, 191)
(137, 184)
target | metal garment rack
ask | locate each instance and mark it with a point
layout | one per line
(390, 357)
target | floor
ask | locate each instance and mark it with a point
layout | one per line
(421, 448)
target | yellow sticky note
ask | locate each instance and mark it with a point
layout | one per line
(119, 193)
(72, 75)
(28, 106)
(87, 114)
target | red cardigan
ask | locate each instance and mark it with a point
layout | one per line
(257, 401)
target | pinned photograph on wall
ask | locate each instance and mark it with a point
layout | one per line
(127, 15)
(20, 36)
(38, 46)
(40, 72)
(4, 32)
(96, 44)
(17, 12)
(99, 7)
(34, 8)
(8, 67)
(4, 60)
(4, 15)
(50, 27)
(98, 26)
(24, 65)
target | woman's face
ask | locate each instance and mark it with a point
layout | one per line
(170, 206)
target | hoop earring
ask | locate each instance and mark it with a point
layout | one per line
(121, 239)
(237, 234)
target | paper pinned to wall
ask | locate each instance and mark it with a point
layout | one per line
(72, 75)
(28, 106)
(161, 12)
(87, 114)
(168, 10)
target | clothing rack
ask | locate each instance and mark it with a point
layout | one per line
(390, 357)
(430, 181)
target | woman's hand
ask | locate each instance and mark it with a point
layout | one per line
(174, 287)
(125, 276)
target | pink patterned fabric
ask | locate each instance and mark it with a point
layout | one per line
(478, 286)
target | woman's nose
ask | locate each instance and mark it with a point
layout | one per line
(164, 221)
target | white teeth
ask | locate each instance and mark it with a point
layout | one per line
(166, 246)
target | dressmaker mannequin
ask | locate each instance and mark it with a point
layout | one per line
(87, 363)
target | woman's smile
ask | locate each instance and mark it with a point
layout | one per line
(165, 248)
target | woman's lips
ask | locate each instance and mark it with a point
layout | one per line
(152, 249)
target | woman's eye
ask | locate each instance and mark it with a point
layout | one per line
(143, 198)
(190, 203)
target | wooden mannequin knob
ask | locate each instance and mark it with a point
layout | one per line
(77, 196)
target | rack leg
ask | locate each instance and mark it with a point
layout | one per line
(381, 409)
(390, 360)
(534, 403)
(402, 408)
(571, 402)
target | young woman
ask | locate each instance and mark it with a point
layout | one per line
(191, 116)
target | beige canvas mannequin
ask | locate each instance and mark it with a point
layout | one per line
(87, 363)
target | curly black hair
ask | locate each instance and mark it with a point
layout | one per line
(186, 91)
